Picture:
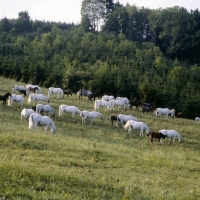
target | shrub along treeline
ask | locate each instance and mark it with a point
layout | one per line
(161, 68)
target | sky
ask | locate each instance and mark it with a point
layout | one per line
(69, 10)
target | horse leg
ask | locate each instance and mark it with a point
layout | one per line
(46, 127)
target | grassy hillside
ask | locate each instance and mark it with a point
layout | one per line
(84, 161)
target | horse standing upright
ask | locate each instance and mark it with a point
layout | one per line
(86, 114)
(69, 109)
(17, 98)
(5, 97)
(34, 88)
(100, 103)
(165, 111)
(21, 89)
(57, 91)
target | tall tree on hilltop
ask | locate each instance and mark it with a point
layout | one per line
(95, 10)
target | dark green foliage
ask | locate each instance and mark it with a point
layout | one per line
(121, 60)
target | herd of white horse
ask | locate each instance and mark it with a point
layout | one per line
(128, 122)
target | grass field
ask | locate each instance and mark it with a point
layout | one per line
(84, 161)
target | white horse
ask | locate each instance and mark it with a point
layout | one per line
(69, 109)
(86, 114)
(119, 103)
(38, 97)
(45, 108)
(125, 99)
(197, 119)
(100, 103)
(165, 111)
(34, 88)
(20, 88)
(107, 97)
(136, 125)
(171, 134)
(36, 119)
(26, 113)
(124, 118)
(17, 98)
(57, 91)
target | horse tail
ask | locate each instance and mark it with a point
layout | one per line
(29, 98)
(60, 110)
(95, 105)
(62, 94)
(31, 122)
(53, 127)
(37, 109)
(49, 93)
(81, 114)
(126, 125)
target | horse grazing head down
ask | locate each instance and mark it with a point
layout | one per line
(156, 135)
(113, 118)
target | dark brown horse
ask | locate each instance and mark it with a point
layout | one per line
(5, 97)
(33, 89)
(156, 135)
(136, 104)
(93, 96)
(113, 118)
(22, 92)
(67, 93)
(179, 115)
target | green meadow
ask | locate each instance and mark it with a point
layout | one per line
(89, 161)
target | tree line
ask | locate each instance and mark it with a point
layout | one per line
(154, 65)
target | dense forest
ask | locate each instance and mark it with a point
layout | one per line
(141, 53)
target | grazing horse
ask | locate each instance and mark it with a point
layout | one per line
(119, 103)
(5, 97)
(165, 111)
(86, 114)
(136, 125)
(93, 96)
(179, 115)
(34, 88)
(197, 119)
(26, 113)
(123, 118)
(21, 89)
(100, 103)
(22, 92)
(45, 108)
(146, 109)
(17, 98)
(67, 93)
(57, 91)
(136, 104)
(156, 135)
(38, 97)
(171, 134)
(69, 109)
(36, 119)
(125, 99)
(84, 92)
(107, 97)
